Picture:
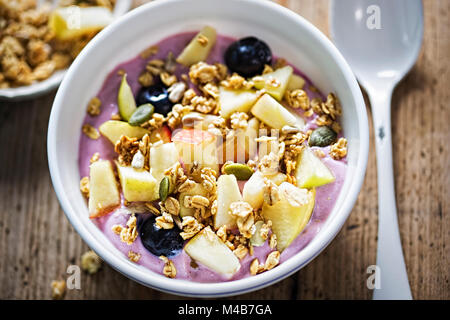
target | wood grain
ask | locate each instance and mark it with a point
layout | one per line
(37, 243)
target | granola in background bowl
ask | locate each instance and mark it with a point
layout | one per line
(33, 52)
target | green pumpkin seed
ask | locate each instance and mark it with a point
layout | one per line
(142, 114)
(164, 188)
(239, 170)
(322, 137)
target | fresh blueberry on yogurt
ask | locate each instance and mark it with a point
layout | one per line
(248, 56)
(157, 96)
(159, 241)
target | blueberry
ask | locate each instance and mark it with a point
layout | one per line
(248, 56)
(166, 242)
(157, 96)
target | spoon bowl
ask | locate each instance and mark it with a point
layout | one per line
(380, 41)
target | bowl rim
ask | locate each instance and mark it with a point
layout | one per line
(196, 289)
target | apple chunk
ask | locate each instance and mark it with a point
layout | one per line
(253, 192)
(196, 146)
(272, 113)
(290, 214)
(198, 190)
(103, 190)
(162, 157)
(310, 171)
(88, 20)
(227, 193)
(113, 129)
(235, 101)
(137, 185)
(163, 134)
(198, 49)
(275, 82)
(295, 82)
(207, 249)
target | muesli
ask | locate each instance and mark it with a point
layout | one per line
(214, 159)
(37, 38)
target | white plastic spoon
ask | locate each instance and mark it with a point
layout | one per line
(381, 40)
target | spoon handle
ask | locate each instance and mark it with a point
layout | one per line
(393, 276)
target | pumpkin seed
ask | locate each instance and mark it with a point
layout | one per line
(164, 188)
(142, 114)
(239, 170)
(322, 137)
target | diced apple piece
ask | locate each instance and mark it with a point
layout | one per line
(70, 22)
(125, 99)
(227, 193)
(103, 190)
(162, 133)
(253, 192)
(199, 190)
(198, 49)
(295, 82)
(207, 249)
(276, 82)
(277, 178)
(272, 113)
(197, 145)
(113, 129)
(310, 171)
(137, 185)
(162, 157)
(290, 214)
(232, 101)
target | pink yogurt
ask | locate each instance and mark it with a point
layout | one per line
(325, 196)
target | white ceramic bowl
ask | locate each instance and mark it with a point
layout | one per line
(288, 34)
(41, 87)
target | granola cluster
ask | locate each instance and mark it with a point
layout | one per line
(157, 68)
(58, 289)
(29, 51)
(126, 148)
(339, 149)
(90, 262)
(169, 269)
(129, 233)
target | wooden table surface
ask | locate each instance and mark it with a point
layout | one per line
(37, 242)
